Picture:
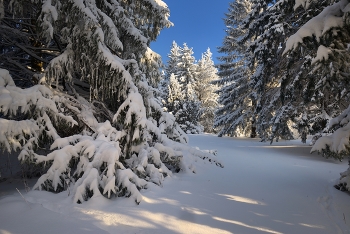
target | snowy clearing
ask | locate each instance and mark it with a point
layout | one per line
(263, 188)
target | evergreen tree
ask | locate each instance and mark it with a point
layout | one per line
(267, 27)
(258, 95)
(324, 80)
(235, 115)
(187, 115)
(337, 145)
(320, 81)
(186, 72)
(174, 93)
(205, 90)
(174, 60)
(22, 51)
(103, 84)
(182, 101)
(166, 85)
(284, 84)
(296, 106)
(297, 57)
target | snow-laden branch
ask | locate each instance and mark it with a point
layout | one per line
(337, 145)
(106, 54)
(331, 17)
(37, 102)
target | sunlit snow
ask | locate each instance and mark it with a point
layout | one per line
(279, 188)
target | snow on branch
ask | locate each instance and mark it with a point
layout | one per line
(106, 54)
(303, 3)
(331, 17)
(96, 165)
(337, 144)
(322, 54)
(36, 102)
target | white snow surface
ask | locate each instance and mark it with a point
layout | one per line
(263, 188)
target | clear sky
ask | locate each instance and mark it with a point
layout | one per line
(199, 23)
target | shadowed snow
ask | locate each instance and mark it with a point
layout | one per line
(263, 188)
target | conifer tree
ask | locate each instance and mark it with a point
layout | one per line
(170, 68)
(206, 91)
(102, 84)
(235, 115)
(337, 145)
(186, 72)
(22, 50)
(175, 94)
(320, 78)
(268, 25)
(294, 104)
(260, 37)
(187, 110)
(324, 80)
(173, 61)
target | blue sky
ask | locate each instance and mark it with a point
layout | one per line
(199, 23)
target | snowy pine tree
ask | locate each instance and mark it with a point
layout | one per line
(175, 94)
(22, 50)
(182, 101)
(94, 109)
(298, 80)
(186, 72)
(255, 74)
(206, 91)
(268, 25)
(235, 115)
(173, 61)
(324, 41)
(337, 145)
(170, 68)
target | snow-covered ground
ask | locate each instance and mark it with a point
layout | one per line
(278, 188)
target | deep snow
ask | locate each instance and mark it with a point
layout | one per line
(263, 188)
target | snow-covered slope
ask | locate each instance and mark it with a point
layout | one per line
(263, 188)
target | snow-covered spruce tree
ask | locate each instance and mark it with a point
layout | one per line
(260, 34)
(206, 91)
(31, 118)
(170, 69)
(302, 97)
(267, 26)
(325, 39)
(173, 60)
(104, 68)
(168, 84)
(185, 107)
(235, 115)
(22, 51)
(175, 94)
(264, 29)
(186, 72)
(337, 145)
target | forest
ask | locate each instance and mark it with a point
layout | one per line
(90, 108)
